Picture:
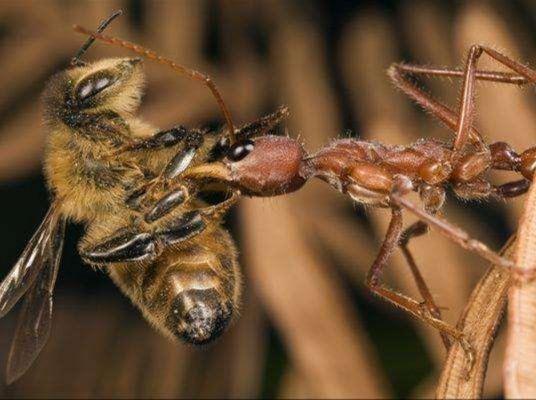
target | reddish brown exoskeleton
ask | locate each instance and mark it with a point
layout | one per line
(382, 175)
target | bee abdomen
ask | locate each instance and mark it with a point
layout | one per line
(199, 316)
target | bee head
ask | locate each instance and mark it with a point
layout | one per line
(114, 84)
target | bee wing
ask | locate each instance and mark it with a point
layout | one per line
(40, 251)
(33, 327)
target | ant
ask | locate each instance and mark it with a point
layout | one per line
(382, 175)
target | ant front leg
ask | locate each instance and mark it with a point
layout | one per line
(406, 303)
(397, 74)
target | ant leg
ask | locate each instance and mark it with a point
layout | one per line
(414, 230)
(467, 103)
(490, 76)
(512, 189)
(452, 232)
(466, 115)
(397, 73)
(429, 103)
(409, 305)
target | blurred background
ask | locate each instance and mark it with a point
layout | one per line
(308, 326)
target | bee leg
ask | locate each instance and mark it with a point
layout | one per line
(182, 160)
(217, 211)
(124, 246)
(178, 230)
(127, 245)
(160, 140)
(178, 196)
(262, 125)
(167, 203)
(135, 197)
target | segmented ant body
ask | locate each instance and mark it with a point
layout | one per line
(381, 175)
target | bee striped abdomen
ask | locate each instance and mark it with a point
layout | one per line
(190, 294)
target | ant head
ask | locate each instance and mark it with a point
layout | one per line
(266, 166)
(258, 163)
(261, 164)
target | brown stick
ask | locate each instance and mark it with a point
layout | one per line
(479, 322)
(520, 359)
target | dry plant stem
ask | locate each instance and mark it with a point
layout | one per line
(479, 323)
(520, 360)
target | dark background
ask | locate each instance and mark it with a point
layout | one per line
(308, 326)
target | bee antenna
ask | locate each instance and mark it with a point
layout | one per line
(152, 55)
(76, 61)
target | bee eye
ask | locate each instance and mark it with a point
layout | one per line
(240, 150)
(93, 86)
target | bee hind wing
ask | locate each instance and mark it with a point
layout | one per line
(33, 327)
(40, 251)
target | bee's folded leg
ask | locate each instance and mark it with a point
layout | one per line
(126, 246)
(190, 224)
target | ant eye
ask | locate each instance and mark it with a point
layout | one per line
(240, 150)
(92, 86)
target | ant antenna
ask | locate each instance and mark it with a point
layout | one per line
(76, 61)
(152, 55)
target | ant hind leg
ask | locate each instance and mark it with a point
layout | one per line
(452, 232)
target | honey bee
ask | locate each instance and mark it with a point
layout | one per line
(136, 189)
